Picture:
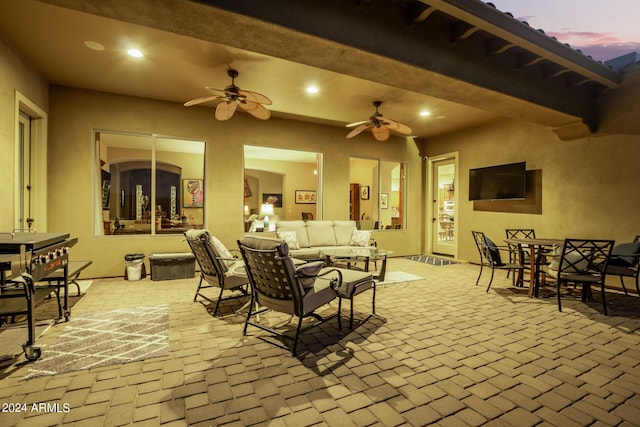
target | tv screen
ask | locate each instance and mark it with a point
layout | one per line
(498, 182)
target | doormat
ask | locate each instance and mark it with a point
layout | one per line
(102, 339)
(12, 337)
(431, 260)
(399, 277)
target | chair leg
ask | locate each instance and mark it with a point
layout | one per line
(195, 297)
(339, 313)
(491, 278)
(558, 293)
(218, 302)
(373, 301)
(637, 287)
(604, 300)
(351, 313)
(295, 340)
(479, 274)
(623, 287)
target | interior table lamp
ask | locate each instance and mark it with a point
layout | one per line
(266, 210)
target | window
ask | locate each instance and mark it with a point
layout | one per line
(288, 180)
(377, 193)
(148, 184)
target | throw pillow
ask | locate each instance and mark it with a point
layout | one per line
(221, 250)
(492, 252)
(360, 238)
(573, 261)
(307, 273)
(290, 238)
(623, 255)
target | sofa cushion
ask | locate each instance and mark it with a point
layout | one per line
(299, 227)
(360, 238)
(343, 231)
(291, 237)
(321, 233)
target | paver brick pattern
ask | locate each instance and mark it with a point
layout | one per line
(439, 351)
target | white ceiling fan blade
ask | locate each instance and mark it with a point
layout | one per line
(381, 133)
(255, 97)
(225, 110)
(350, 125)
(359, 129)
(256, 110)
(397, 126)
(201, 100)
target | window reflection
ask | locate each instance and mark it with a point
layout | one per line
(148, 184)
(376, 194)
(288, 181)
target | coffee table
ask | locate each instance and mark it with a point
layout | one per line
(364, 253)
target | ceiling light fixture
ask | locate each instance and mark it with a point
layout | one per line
(379, 126)
(425, 113)
(312, 90)
(135, 53)
(233, 98)
(94, 45)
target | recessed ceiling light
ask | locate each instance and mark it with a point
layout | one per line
(425, 113)
(93, 45)
(312, 89)
(135, 53)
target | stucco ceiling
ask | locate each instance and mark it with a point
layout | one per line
(484, 74)
(178, 68)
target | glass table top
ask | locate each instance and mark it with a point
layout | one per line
(355, 252)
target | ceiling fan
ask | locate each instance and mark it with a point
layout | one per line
(379, 126)
(234, 97)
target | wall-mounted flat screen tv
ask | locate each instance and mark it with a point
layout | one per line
(500, 182)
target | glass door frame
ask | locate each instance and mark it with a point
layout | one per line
(433, 245)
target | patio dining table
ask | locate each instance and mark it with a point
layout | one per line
(537, 248)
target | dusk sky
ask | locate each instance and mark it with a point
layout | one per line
(603, 29)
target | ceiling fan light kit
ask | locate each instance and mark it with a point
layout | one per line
(254, 103)
(379, 126)
(234, 98)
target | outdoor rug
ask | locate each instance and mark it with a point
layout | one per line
(12, 337)
(399, 277)
(431, 260)
(108, 338)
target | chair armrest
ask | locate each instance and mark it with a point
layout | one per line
(312, 270)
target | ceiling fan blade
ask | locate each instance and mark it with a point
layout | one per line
(350, 125)
(201, 100)
(225, 110)
(381, 133)
(256, 110)
(255, 97)
(359, 129)
(397, 126)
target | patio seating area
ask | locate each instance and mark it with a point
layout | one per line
(438, 351)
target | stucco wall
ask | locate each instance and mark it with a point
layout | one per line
(75, 113)
(590, 186)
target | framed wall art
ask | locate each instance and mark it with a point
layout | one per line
(384, 201)
(274, 199)
(305, 196)
(364, 192)
(192, 193)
